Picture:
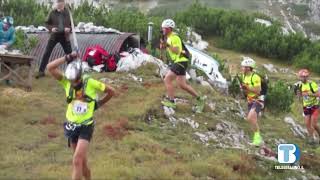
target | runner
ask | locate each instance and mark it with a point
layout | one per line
(251, 85)
(309, 91)
(178, 68)
(81, 92)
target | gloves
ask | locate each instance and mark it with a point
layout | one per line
(70, 57)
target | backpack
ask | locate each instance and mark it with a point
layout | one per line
(111, 62)
(185, 52)
(264, 83)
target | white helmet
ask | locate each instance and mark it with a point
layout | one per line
(168, 23)
(248, 62)
(74, 70)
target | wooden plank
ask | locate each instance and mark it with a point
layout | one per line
(16, 59)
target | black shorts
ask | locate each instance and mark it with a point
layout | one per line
(310, 110)
(179, 68)
(74, 132)
(256, 105)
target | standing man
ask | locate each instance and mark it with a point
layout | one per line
(178, 68)
(309, 91)
(59, 26)
(81, 92)
(7, 32)
(251, 85)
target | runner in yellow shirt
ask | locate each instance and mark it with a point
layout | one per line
(309, 92)
(251, 84)
(81, 92)
(178, 68)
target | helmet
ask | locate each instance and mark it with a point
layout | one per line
(168, 23)
(74, 70)
(248, 62)
(303, 73)
(8, 20)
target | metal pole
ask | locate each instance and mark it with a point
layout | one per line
(75, 41)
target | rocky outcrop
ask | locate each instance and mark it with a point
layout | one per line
(314, 6)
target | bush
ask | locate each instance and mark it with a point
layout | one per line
(23, 43)
(309, 58)
(25, 12)
(279, 97)
(234, 88)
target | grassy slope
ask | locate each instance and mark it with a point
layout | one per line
(33, 146)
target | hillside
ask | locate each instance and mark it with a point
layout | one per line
(134, 139)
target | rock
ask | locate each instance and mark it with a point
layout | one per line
(168, 112)
(206, 84)
(314, 10)
(297, 129)
(280, 141)
(189, 121)
(241, 113)
(135, 78)
(284, 70)
(226, 134)
(265, 151)
(212, 106)
(264, 22)
(270, 68)
(42, 28)
(199, 79)
(193, 74)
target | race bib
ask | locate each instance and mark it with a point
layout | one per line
(80, 107)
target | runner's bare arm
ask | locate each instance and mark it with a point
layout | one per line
(255, 90)
(174, 49)
(109, 93)
(53, 66)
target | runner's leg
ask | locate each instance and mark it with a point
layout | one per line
(168, 81)
(314, 121)
(79, 157)
(182, 83)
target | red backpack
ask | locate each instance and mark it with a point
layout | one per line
(111, 62)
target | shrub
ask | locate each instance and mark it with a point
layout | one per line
(24, 43)
(279, 97)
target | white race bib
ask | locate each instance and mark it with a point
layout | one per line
(80, 107)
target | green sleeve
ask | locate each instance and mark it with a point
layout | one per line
(314, 87)
(97, 85)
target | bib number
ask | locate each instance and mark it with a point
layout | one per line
(80, 108)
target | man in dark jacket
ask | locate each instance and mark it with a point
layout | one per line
(59, 25)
